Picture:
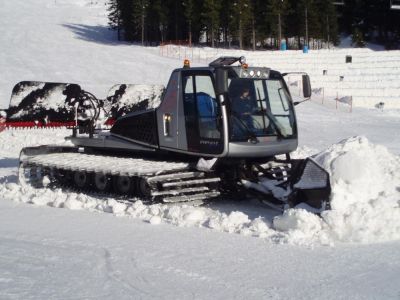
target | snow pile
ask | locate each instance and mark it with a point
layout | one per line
(365, 182)
(13, 140)
(365, 197)
(178, 215)
(302, 227)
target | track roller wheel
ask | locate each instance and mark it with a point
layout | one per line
(124, 185)
(62, 176)
(102, 182)
(143, 187)
(81, 179)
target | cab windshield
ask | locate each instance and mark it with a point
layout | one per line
(260, 107)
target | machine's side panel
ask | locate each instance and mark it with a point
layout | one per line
(168, 116)
(182, 134)
(140, 127)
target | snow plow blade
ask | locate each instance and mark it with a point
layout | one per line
(310, 184)
(126, 98)
(52, 104)
(43, 104)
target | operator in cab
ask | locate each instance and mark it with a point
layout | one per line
(243, 108)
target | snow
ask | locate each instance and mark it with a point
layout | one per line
(365, 202)
(372, 76)
(136, 93)
(57, 244)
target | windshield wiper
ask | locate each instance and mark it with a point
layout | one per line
(276, 124)
(271, 118)
(250, 134)
(262, 108)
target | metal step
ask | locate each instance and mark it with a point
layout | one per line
(191, 182)
(189, 198)
(180, 191)
(177, 176)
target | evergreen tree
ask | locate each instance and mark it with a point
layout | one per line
(306, 16)
(157, 21)
(138, 16)
(328, 21)
(262, 20)
(210, 18)
(225, 15)
(277, 11)
(357, 38)
(246, 22)
(189, 15)
(241, 19)
(114, 16)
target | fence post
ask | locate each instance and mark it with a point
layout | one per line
(351, 104)
(337, 99)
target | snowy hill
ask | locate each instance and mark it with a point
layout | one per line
(69, 41)
(67, 245)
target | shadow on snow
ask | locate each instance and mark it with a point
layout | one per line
(9, 163)
(95, 34)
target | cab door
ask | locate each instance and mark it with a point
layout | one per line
(202, 112)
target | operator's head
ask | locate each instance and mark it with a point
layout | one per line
(245, 92)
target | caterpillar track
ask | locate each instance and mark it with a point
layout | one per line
(153, 181)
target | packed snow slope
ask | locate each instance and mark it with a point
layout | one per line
(69, 41)
(100, 248)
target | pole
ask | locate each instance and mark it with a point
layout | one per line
(279, 30)
(337, 99)
(327, 28)
(351, 104)
(306, 41)
(254, 35)
(142, 25)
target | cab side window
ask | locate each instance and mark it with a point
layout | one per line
(207, 108)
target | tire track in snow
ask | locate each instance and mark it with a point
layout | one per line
(113, 275)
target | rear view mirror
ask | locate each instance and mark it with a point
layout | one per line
(306, 86)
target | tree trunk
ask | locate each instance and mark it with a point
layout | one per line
(279, 30)
(240, 35)
(212, 36)
(190, 33)
(143, 28)
(254, 35)
(119, 29)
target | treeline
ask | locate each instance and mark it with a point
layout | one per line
(225, 23)
(372, 21)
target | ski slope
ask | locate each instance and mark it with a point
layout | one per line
(67, 245)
